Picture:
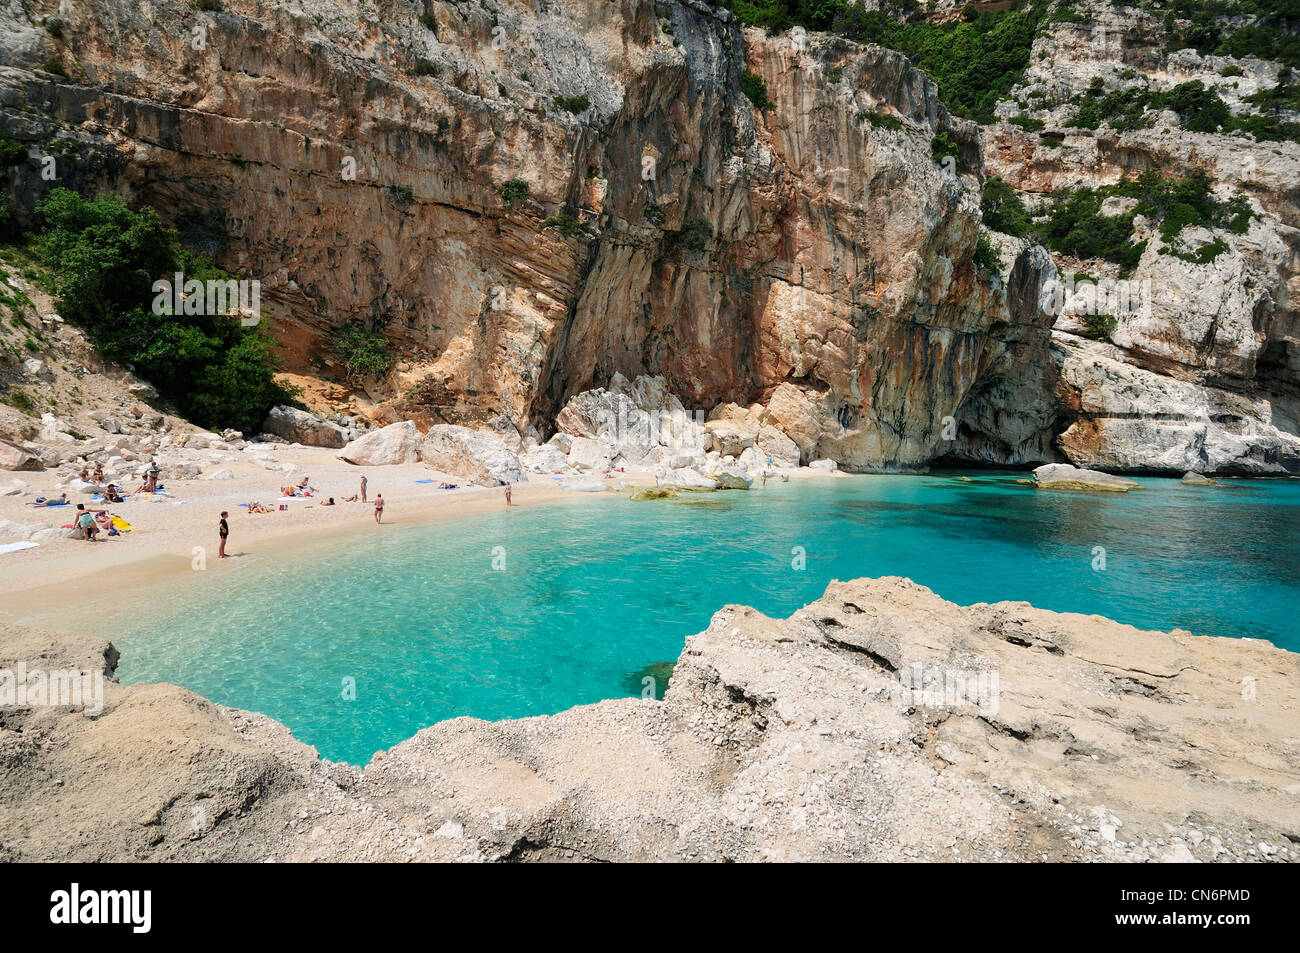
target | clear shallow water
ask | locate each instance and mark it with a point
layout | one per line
(594, 591)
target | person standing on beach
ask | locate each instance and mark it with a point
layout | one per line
(224, 530)
(507, 494)
(363, 488)
(379, 508)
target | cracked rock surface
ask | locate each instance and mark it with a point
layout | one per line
(822, 737)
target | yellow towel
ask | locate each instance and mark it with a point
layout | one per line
(121, 523)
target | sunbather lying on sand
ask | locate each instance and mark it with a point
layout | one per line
(113, 494)
(60, 500)
(256, 507)
(354, 498)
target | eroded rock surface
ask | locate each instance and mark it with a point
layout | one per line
(818, 737)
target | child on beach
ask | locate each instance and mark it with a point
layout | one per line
(379, 507)
(224, 530)
(507, 494)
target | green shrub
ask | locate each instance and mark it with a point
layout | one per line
(986, 256)
(881, 120)
(208, 6)
(1002, 209)
(695, 235)
(574, 104)
(1099, 327)
(514, 189)
(566, 224)
(755, 90)
(654, 215)
(361, 350)
(943, 146)
(54, 66)
(12, 153)
(423, 67)
(54, 27)
(103, 259)
(1029, 123)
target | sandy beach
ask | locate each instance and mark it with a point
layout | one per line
(69, 583)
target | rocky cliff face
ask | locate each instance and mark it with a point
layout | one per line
(1200, 371)
(693, 236)
(531, 199)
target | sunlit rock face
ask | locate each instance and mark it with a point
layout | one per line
(352, 158)
(530, 199)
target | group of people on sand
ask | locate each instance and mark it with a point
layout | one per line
(150, 484)
(223, 527)
(90, 523)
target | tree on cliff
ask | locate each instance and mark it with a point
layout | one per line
(104, 259)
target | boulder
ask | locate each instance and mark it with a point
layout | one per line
(792, 412)
(547, 458)
(16, 458)
(587, 453)
(684, 479)
(731, 477)
(221, 475)
(481, 457)
(9, 529)
(827, 466)
(1192, 478)
(299, 426)
(728, 438)
(561, 442)
(394, 444)
(771, 442)
(1063, 476)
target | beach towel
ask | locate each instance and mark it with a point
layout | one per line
(14, 547)
(423, 481)
(121, 523)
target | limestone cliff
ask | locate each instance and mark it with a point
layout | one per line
(530, 199)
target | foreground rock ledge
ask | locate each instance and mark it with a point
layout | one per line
(779, 739)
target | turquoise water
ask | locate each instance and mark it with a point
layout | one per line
(592, 592)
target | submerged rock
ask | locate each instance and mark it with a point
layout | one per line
(1191, 478)
(654, 493)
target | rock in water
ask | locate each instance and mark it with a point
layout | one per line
(1192, 478)
(472, 454)
(396, 443)
(299, 426)
(1063, 476)
(655, 493)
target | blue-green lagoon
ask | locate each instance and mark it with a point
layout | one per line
(533, 610)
